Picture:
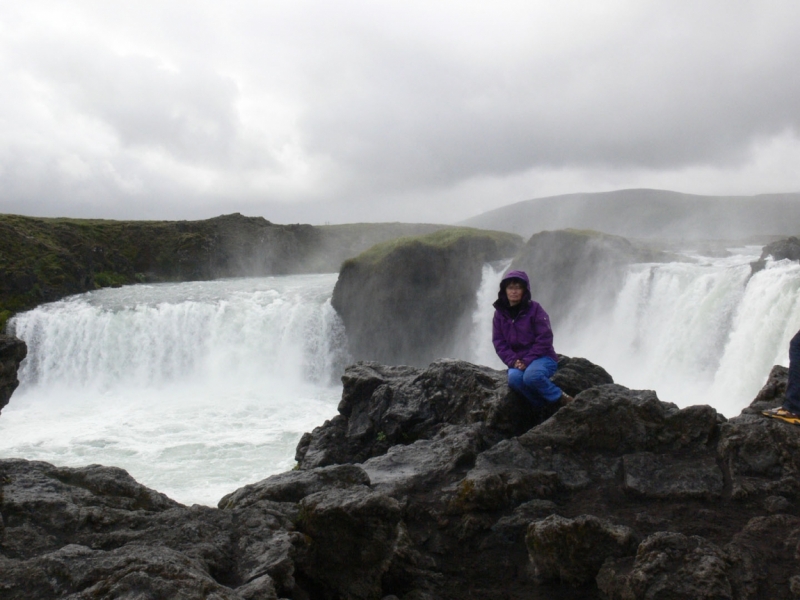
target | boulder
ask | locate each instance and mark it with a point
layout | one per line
(612, 418)
(573, 550)
(383, 406)
(352, 533)
(785, 249)
(12, 353)
(670, 566)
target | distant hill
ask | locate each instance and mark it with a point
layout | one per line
(650, 214)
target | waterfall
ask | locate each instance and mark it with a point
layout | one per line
(480, 349)
(702, 332)
(199, 388)
(697, 333)
(195, 388)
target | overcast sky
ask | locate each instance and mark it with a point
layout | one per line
(314, 111)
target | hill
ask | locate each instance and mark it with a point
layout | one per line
(650, 214)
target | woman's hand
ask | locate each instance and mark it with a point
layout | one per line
(519, 365)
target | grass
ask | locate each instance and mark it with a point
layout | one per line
(439, 239)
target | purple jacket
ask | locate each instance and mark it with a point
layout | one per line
(528, 336)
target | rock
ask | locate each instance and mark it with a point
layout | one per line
(408, 301)
(772, 394)
(613, 418)
(575, 375)
(464, 491)
(670, 566)
(788, 248)
(383, 406)
(12, 353)
(293, 486)
(427, 463)
(352, 536)
(664, 476)
(130, 572)
(762, 456)
(573, 550)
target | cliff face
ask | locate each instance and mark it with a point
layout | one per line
(12, 352)
(46, 259)
(439, 483)
(406, 302)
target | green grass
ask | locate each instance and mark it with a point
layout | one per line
(439, 239)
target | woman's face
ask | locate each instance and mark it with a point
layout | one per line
(514, 292)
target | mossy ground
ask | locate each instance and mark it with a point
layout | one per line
(439, 239)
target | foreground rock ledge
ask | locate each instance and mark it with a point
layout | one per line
(438, 483)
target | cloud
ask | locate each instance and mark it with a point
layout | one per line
(313, 111)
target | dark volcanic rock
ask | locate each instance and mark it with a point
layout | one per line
(788, 248)
(409, 301)
(12, 353)
(573, 550)
(670, 566)
(383, 406)
(446, 488)
(353, 534)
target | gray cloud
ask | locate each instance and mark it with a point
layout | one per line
(312, 111)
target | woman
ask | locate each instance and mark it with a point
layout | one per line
(523, 340)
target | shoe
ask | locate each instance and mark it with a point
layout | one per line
(782, 415)
(565, 399)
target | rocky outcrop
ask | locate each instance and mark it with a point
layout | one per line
(586, 267)
(439, 483)
(383, 406)
(788, 248)
(12, 352)
(409, 301)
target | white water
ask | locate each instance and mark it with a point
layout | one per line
(199, 388)
(702, 333)
(696, 333)
(195, 388)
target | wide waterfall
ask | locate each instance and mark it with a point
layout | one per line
(700, 332)
(199, 388)
(194, 388)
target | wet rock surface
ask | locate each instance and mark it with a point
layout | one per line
(438, 483)
(12, 353)
(785, 249)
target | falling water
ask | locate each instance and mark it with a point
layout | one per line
(703, 332)
(194, 388)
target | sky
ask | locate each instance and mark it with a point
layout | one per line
(316, 111)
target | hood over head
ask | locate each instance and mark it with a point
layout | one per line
(521, 276)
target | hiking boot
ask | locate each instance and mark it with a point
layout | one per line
(782, 415)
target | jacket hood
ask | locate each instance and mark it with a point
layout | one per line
(501, 295)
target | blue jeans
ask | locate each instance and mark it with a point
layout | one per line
(792, 402)
(534, 383)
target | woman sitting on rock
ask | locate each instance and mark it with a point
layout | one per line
(523, 340)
